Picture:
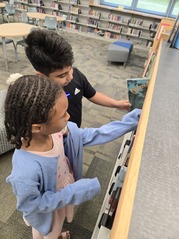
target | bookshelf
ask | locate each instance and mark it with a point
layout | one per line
(149, 196)
(114, 226)
(163, 32)
(107, 213)
(24, 4)
(101, 21)
(118, 23)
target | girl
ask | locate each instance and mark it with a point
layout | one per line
(47, 162)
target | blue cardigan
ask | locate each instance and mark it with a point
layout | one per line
(33, 177)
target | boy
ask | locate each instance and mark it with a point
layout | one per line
(51, 55)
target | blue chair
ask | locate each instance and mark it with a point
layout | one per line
(51, 23)
(24, 17)
(32, 20)
(10, 11)
(63, 23)
(2, 11)
(8, 41)
(22, 41)
(32, 9)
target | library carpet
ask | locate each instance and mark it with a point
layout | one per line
(91, 58)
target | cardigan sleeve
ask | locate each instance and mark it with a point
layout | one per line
(30, 200)
(111, 131)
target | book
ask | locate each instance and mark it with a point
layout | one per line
(149, 65)
(137, 89)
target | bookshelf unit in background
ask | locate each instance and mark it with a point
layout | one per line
(76, 12)
(24, 4)
(163, 32)
(105, 22)
(138, 27)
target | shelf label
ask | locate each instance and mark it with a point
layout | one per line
(121, 8)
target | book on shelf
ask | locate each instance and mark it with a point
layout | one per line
(95, 14)
(136, 22)
(108, 34)
(92, 22)
(137, 89)
(54, 5)
(149, 65)
(153, 26)
(73, 2)
(149, 43)
(114, 17)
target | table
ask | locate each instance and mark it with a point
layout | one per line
(11, 30)
(41, 17)
(2, 5)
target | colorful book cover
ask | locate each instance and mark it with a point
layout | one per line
(137, 89)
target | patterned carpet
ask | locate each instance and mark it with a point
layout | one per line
(90, 58)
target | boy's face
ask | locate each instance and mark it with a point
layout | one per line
(62, 77)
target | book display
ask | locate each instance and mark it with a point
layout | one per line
(108, 210)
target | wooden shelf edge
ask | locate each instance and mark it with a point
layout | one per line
(122, 219)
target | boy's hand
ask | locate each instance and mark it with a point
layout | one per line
(123, 105)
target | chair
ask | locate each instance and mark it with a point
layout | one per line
(63, 23)
(8, 41)
(10, 11)
(2, 10)
(22, 41)
(32, 20)
(32, 9)
(4, 144)
(24, 17)
(51, 23)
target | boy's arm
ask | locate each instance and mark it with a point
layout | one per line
(101, 99)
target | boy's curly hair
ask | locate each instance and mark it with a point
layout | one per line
(29, 101)
(48, 51)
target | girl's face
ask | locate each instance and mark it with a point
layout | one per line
(58, 118)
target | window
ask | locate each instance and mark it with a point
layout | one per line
(159, 7)
(117, 3)
(175, 10)
(153, 6)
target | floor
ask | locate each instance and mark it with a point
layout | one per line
(90, 57)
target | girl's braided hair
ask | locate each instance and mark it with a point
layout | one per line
(29, 101)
